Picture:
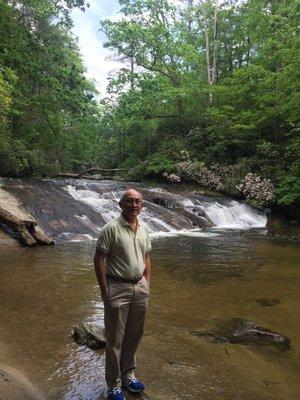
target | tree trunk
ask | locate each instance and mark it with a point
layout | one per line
(132, 72)
(214, 67)
(206, 44)
(211, 67)
(29, 233)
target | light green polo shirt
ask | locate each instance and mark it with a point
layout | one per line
(125, 248)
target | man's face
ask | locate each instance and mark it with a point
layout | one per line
(132, 204)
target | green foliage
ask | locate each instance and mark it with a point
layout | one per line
(288, 190)
(157, 164)
(244, 121)
(162, 108)
(47, 109)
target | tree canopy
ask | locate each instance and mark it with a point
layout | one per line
(215, 81)
(208, 92)
(48, 115)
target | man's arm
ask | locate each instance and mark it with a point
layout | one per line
(100, 270)
(147, 270)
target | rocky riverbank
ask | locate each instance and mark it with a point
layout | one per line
(15, 386)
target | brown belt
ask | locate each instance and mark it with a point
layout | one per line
(124, 280)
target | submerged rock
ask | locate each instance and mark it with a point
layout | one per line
(90, 335)
(240, 330)
(268, 302)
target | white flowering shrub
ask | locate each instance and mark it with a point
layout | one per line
(258, 191)
(197, 172)
(173, 178)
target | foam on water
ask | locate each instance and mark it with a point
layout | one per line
(184, 232)
(106, 204)
(72, 237)
(224, 214)
(235, 215)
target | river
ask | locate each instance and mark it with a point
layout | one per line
(200, 277)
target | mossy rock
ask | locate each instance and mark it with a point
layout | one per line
(242, 331)
(90, 335)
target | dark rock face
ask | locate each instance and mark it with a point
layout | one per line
(268, 302)
(184, 218)
(163, 202)
(53, 207)
(90, 335)
(240, 330)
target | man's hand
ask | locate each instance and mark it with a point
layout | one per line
(147, 270)
(100, 270)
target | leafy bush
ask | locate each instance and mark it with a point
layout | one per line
(136, 173)
(173, 147)
(153, 167)
(288, 191)
(157, 164)
(231, 175)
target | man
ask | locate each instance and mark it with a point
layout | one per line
(123, 268)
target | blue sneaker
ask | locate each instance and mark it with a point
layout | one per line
(134, 385)
(116, 394)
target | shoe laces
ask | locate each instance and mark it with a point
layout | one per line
(134, 380)
(116, 390)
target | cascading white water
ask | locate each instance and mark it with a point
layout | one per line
(235, 216)
(230, 214)
(108, 207)
(223, 214)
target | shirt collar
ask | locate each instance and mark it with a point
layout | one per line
(126, 223)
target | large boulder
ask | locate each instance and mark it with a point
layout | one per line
(240, 330)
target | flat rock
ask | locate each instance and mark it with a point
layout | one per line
(90, 335)
(242, 331)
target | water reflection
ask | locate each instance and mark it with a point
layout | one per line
(197, 282)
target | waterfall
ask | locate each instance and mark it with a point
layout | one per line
(235, 215)
(76, 210)
(169, 220)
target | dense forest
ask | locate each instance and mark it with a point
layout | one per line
(208, 94)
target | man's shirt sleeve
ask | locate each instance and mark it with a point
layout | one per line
(105, 240)
(148, 242)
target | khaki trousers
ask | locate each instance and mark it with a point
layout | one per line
(125, 312)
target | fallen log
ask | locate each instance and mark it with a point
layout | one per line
(88, 177)
(30, 233)
(68, 175)
(40, 236)
(96, 169)
(97, 178)
(83, 174)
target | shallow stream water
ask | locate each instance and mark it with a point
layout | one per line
(197, 283)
